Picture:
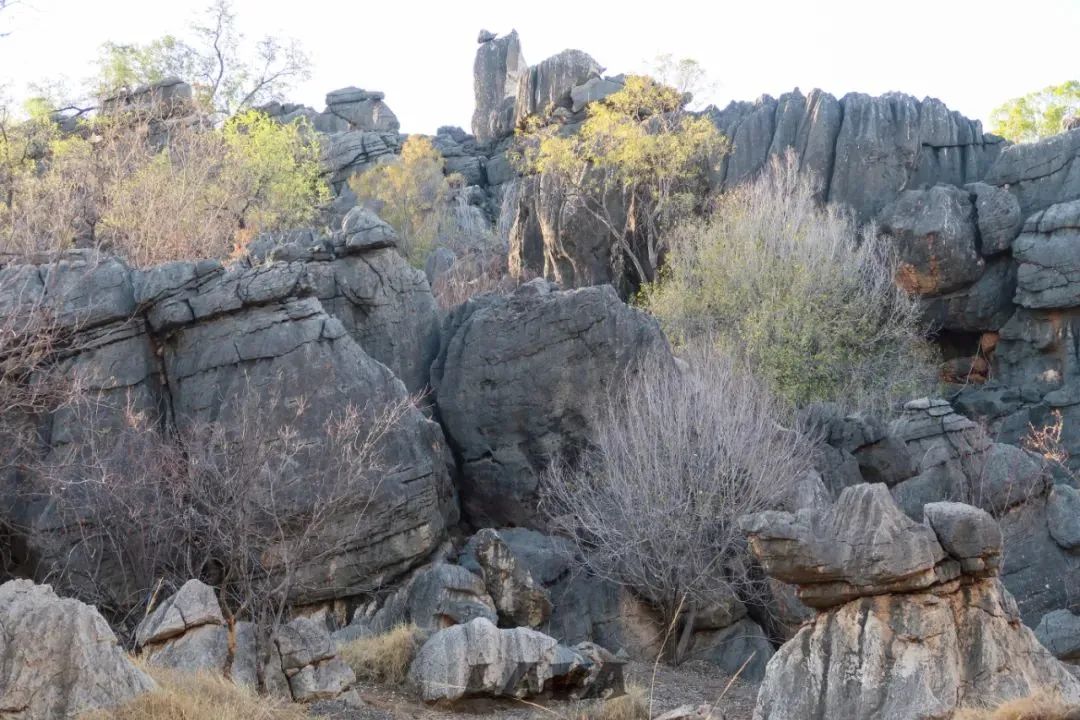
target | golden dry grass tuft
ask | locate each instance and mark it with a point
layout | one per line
(383, 658)
(634, 705)
(195, 696)
(1044, 705)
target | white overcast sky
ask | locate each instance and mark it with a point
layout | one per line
(970, 54)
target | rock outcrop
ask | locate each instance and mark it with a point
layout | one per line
(480, 659)
(519, 380)
(922, 627)
(58, 657)
(187, 632)
(308, 660)
(327, 321)
(497, 69)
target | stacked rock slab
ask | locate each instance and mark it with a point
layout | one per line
(480, 659)
(58, 657)
(912, 620)
(187, 632)
(308, 659)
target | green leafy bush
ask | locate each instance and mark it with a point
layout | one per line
(799, 291)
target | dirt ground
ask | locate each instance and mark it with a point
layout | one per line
(693, 683)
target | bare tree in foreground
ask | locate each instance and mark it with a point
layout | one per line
(679, 456)
(250, 509)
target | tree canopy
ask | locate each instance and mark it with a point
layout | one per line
(639, 163)
(1038, 114)
(228, 76)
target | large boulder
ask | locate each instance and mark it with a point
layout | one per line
(435, 597)
(519, 381)
(1059, 632)
(362, 110)
(58, 657)
(1039, 174)
(895, 649)
(480, 659)
(935, 236)
(910, 657)
(241, 335)
(308, 660)
(999, 219)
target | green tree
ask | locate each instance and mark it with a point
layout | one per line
(214, 60)
(799, 292)
(411, 193)
(639, 164)
(1037, 114)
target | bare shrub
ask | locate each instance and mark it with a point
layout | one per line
(800, 291)
(186, 696)
(679, 456)
(248, 508)
(472, 275)
(384, 658)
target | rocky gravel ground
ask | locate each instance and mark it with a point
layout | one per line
(693, 683)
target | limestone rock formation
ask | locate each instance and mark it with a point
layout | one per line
(519, 379)
(547, 85)
(187, 632)
(519, 598)
(1049, 272)
(862, 545)
(308, 658)
(935, 236)
(58, 657)
(908, 651)
(1039, 174)
(1059, 632)
(480, 659)
(435, 597)
(497, 69)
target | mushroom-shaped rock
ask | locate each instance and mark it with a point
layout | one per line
(58, 657)
(862, 545)
(364, 230)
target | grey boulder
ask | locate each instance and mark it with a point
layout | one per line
(436, 596)
(1063, 516)
(519, 598)
(935, 236)
(58, 657)
(1049, 271)
(194, 604)
(1059, 632)
(999, 219)
(968, 534)
(520, 379)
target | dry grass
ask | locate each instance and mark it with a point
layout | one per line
(634, 705)
(197, 696)
(1043, 705)
(383, 658)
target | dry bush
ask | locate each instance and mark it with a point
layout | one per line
(383, 658)
(678, 457)
(473, 275)
(800, 291)
(246, 507)
(634, 705)
(153, 189)
(1043, 705)
(195, 696)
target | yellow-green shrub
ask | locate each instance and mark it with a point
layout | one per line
(799, 291)
(383, 658)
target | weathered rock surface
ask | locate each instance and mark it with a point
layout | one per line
(999, 218)
(194, 604)
(435, 597)
(1047, 251)
(497, 69)
(362, 109)
(58, 657)
(308, 659)
(1039, 174)
(908, 657)
(911, 650)
(480, 659)
(1059, 632)
(519, 379)
(1063, 516)
(519, 598)
(741, 647)
(984, 305)
(935, 236)
(862, 545)
(547, 85)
